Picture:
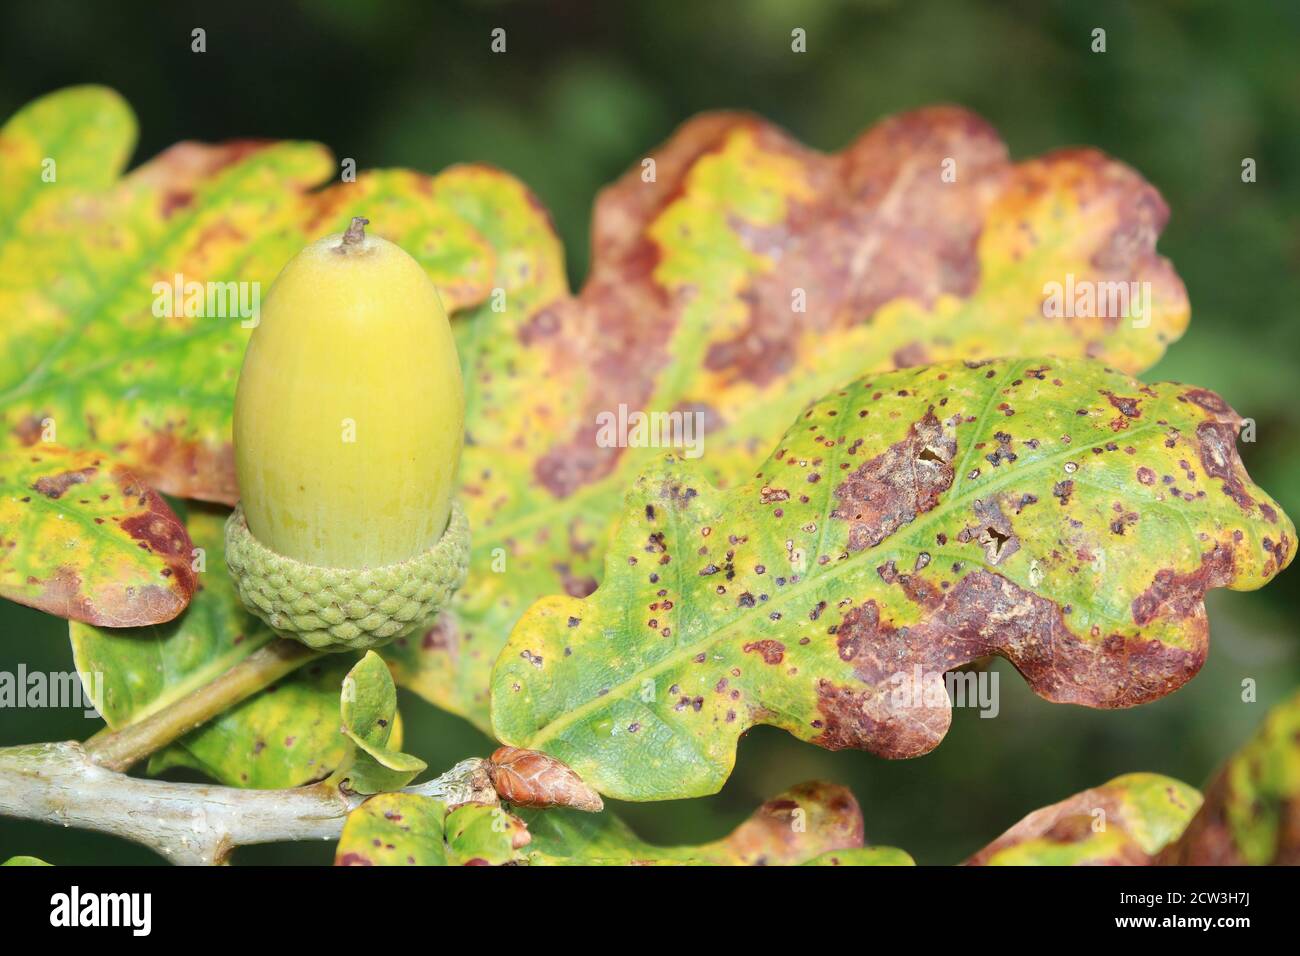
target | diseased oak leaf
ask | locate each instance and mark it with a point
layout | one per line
(752, 276)
(1251, 814)
(815, 823)
(1053, 512)
(1125, 822)
(84, 538)
(128, 300)
(284, 736)
(394, 829)
(527, 778)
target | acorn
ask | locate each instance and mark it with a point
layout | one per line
(349, 420)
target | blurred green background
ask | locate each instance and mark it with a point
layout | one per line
(1185, 91)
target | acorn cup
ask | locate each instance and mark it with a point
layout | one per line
(349, 419)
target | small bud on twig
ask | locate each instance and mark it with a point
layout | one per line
(527, 778)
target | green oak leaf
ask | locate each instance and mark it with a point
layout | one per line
(1053, 512)
(1125, 822)
(284, 736)
(750, 277)
(1251, 814)
(84, 538)
(368, 706)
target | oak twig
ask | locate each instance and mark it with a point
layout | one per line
(191, 823)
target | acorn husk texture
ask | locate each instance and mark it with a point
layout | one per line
(340, 609)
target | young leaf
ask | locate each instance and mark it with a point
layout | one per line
(24, 861)
(128, 302)
(1251, 814)
(368, 705)
(84, 538)
(1125, 822)
(747, 277)
(282, 737)
(1053, 512)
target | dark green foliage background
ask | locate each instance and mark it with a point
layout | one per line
(1184, 92)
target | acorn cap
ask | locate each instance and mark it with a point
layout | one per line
(339, 609)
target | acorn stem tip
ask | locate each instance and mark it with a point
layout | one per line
(356, 233)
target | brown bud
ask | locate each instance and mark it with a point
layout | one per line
(527, 778)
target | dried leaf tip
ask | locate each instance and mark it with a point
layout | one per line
(356, 233)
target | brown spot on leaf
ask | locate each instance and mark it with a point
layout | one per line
(992, 531)
(1128, 407)
(1211, 402)
(1062, 490)
(54, 486)
(1177, 596)
(1217, 449)
(890, 490)
(29, 429)
(773, 652)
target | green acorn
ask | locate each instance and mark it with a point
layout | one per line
(349, 419)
